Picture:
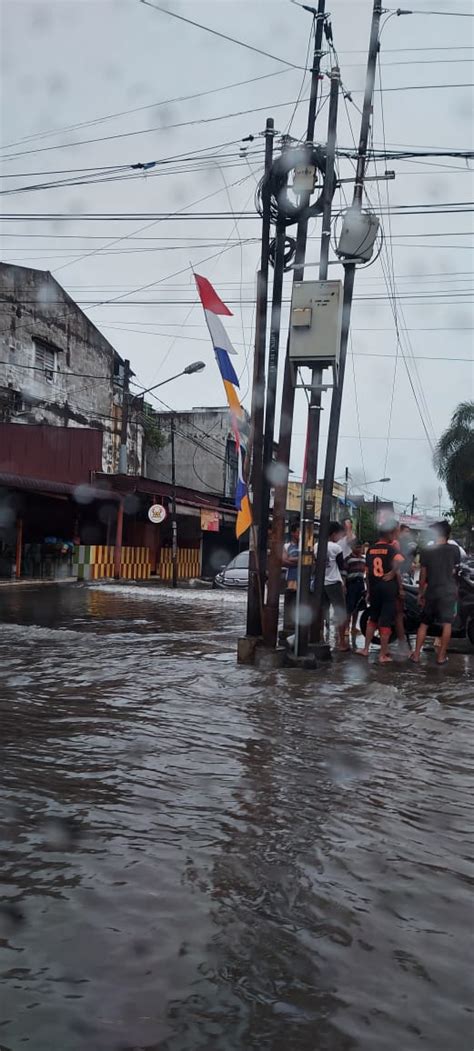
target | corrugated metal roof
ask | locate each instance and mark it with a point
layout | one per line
(126, 483)
(42, 485)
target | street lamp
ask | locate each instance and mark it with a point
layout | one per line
(195, 366)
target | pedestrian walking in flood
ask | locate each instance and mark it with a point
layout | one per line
(383, 561)
(438, 589)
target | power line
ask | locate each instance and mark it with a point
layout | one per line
(445, 14)
(59, 372)
(425, 209)
(148, 226)
(212, 120)
(223, 36)
(402, 50)
(140, 109)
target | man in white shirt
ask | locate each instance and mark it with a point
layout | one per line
(334, 594)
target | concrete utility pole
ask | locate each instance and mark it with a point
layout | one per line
(288, 394)
(258, 536)
(346, 486)
(413, 502)
(123, 455)
(303, 598)
(349, 275)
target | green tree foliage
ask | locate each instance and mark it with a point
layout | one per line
(154, 437)
(365, 525)
(454, 461)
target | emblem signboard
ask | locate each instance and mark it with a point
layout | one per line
(157, 513)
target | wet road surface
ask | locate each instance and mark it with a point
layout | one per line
(203, 856)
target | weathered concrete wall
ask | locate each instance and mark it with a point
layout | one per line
(201, 451)
(85, 387)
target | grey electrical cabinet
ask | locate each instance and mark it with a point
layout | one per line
(315, 322)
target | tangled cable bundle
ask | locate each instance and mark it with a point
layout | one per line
(281, 206)
(289, 253)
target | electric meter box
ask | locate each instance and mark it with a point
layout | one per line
(315, 323)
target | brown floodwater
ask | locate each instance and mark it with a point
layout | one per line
(198, 855)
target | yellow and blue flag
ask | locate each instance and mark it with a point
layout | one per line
(213, 307)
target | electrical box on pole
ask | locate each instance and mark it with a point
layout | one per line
(358, 234)
(315, 323)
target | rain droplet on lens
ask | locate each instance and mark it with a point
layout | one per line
(61, 833)
(11, 917)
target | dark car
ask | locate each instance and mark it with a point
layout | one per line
(235, 574)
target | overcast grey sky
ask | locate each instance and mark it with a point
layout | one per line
(76, 62)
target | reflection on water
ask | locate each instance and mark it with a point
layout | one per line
(201, 856)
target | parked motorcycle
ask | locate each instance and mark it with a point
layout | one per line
(463, 627)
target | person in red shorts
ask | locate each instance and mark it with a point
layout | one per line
(383, 561)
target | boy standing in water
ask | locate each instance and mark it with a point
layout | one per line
(438, 589)
(383, 561)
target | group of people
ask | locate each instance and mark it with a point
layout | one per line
(358, 575)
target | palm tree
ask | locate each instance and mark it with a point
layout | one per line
(454, 460)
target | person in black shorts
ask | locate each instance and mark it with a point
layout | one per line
(438, 589)
(383, 560)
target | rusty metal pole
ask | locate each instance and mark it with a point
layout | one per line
(257, 412)
(288, 393)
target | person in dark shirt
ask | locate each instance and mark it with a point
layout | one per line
(438, 590)
(383, 559)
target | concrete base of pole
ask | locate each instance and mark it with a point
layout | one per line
(246, 647)
(267, 659)
(317, 654)
(250, 650)
(322, 651)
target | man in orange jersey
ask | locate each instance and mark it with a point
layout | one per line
(383, 561)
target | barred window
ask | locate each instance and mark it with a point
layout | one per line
(45, 358)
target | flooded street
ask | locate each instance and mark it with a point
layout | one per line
(205, 856)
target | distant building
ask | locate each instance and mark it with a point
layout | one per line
(56, 368)
(204, 450)
(338, 506)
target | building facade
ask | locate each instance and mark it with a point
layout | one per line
(204, 451)
(56, 368)
(64, 507)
